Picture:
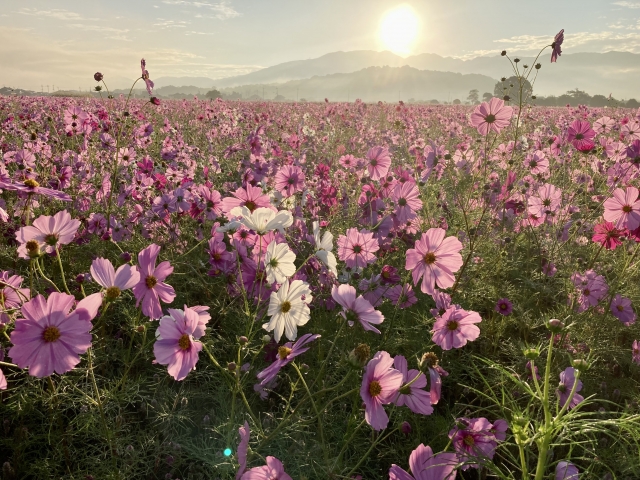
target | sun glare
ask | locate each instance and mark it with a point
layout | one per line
(399, 30)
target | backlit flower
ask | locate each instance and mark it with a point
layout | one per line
(151, 287)
(555, 46)
(356, 309)
(288, 309)
(380, 385)
(491, 116)
(279, 262)
(455, 328)
(176, 346)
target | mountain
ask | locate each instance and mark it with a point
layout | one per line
(595, 73)
(372, 84)
(200, 82)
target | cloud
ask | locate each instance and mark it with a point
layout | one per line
(109, 32)
(162, 23)
(627, 4)
(604, 41)
(222, 10)
(58, 14)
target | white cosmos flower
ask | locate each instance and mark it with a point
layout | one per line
(263, 220)
(278, 262)
(288, 309)
(324, 248)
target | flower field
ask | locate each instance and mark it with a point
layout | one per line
(216, 289)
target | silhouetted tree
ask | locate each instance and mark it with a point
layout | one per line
(599, 101)
(486, 96)
(474, 96)
(457, 101)
(213, 94)
(512, 87)
(632, 103)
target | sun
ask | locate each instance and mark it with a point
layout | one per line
(399, 30)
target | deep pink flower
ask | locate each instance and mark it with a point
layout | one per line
(273, 470)
(425, 465)
(243, 447)
(623, 209)
(621, 309)
(356, 308)
(380, 385)
(491, 116)
(567, 379)
(608, 235)
(285, 355)
(557, 43)
(50, 338)
(434, 260)
(176, 345)
(473, 441)
(151, 289)
(289, 180)
(455, 328)
(504, 306)
(413, 396)
(357, 248)
(581, 135)
(49, 232)
(379, 162)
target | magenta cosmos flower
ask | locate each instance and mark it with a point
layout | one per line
(243, 447)
(607, 235)
(380, 385)
(356, 308)
(285, 355)
(273, 470)
(567, 471)
(11, 295)
(567, 380)
(621, 309)
(48, 232)
(491, 116)
(623, 210)
(50, 338)
(379, 162)
(434, 259)
(114, 282)
(425, 465)
(474, 441)
(407, 199)
(504, 306)
(151, 289)
(357, 248)
(413, 396)
(455, 328)
(289, 180)
(176, 345)
(581, 135)
(557, 43)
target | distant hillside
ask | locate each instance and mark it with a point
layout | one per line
(372, 84)
(199, 82)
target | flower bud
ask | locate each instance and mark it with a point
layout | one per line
(359, 356)
(531, 353)
(266, 338)
(580, 364)
(125, 257)
(555, 325)
(231, 366)
(428, 360)
(243, 340)
(405, 428)
(98, 77)
(503, 53)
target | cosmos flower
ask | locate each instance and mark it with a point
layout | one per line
(288, 309)
(425, 465)
(567, 380)
(249, 196)
(48, 232)
(621, 309)
(324, 248)
(504, 306)
(285, 355)
(635, 352)
(289, 180)
(557, 43)
(623, 209)
(243, 447)
(263, 220)
(273, 470)
(473, 441)
(379, 162)
(455, 328)
(566, 471)
(114, 282)
(357, 248)
(581, 135)
(176, 346)
(356, 309)
(380, 385)
(151, 287)
(607, 235)
(12, 296)
(413, 396)
(491, 116)
(279, 262)
(145, 76)
(32, 187)
(407, 199)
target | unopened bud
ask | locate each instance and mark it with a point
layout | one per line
(98, 77)
(231, 366)
(555, 325)
(531, 353)
(405, 428)
(580, 364)
(243, 340)
(429, 360)
(359, 356)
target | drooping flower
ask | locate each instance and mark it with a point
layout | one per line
(491, 116)
(356, 308)
(279, 262)
(263, 220)
(288, 309)
(555, 46)
(114, 282)
(621, 309)
(607, 235)
(425, 465)
(3, 381)
(11, 294)
(623, 209)
(567, 380)
(243, 447)
(32, 187)
(49, 232)
(176, 346)
(566, 471)
(504, 306)
(324, 248)
(434, 260)
(273, 470)
(473, 441)
(151, 287)
(455, 328)
(380, 385)
(429, 363)
(50, 338)
(145, 76)
(285, 355)
(357, 248)
(413, 396)
(379, 162)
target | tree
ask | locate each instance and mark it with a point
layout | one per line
(579, 97)
(486, 96)
(457, 101)
(213, 94)
(512, 87)
(632, 103)
(599, 101)
(474, 96)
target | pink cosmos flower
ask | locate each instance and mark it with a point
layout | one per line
(557, 43)
(401, 296)
(567, 379)
(250, 197)
(537, 163)
(49, 232)
(623, 210)
(176, 345)
(289, 180)
(50, 338)
(455, 328)
(547, 202)
(243, 447)
(380, 385)
(379, 162)
(593, 288)
(151, 289)
(285, 355)
(504, 306)
(407, 199)
(32, 187)
(413, 396)
(357, 248)
(473, 441)
(273, 470)
(11, 295)
(621, 309)
(114, 282)
(491, 116)
(434, 260)
(425, 465)
(608, 235)
(581, 135)
(145, 76)
(566, 471)
(356, 308)
(635, 352)
(429, 361)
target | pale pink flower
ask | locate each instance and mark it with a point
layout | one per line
(357, 248)
(356, 308)
(380, 385)
(379, 162)
(491, 116)
(49, 232)
(623, 210)
(455, 328)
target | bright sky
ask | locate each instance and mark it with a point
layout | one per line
(63, 42)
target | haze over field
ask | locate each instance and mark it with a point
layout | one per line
(254, 44)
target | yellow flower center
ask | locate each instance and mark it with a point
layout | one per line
(151, 281)
(283, 352)
(112, 293)
(285, 307)
(185, 342)
(51, 334)
(430, 258)
(374, 388)
(31, 183)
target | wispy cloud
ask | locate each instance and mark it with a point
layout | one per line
(162, 23)
(109, 32)
(626, 4)
(596, 41)
(58, 14)
(221, 10)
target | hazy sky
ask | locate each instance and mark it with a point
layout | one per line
(63, 42)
